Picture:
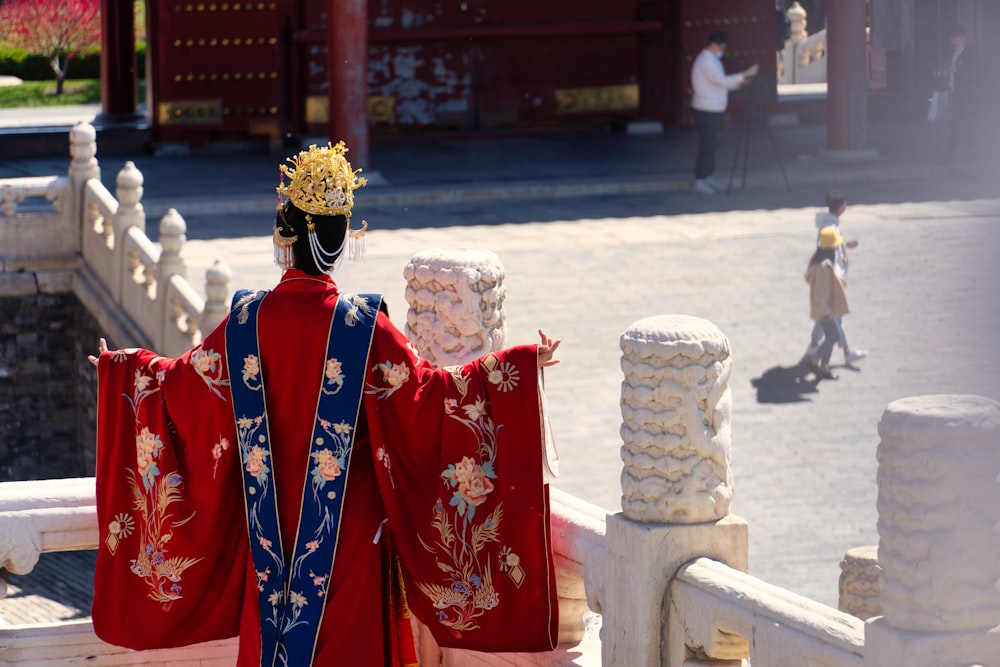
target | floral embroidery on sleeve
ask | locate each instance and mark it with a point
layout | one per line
(461, 534)
(503, 374)
(394, 376)
(206, 364)
(153, 493)
(217, 450)
(120, 528)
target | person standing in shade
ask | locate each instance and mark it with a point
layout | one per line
(964, 87)
(711, 86)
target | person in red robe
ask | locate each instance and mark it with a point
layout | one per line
(444, 505)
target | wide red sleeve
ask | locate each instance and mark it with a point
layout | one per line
(172, 555)
(459, 461)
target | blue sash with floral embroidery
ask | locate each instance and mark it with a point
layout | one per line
(292, 596)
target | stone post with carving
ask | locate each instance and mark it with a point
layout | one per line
(456, 304)
(82, 167)
(128, 192)
(173, 234)
(859, 590)
(83, 155)
(939, 545)
(677, 485)
(217, 279)
(797, 23)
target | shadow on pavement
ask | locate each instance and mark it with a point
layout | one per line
(783, 384)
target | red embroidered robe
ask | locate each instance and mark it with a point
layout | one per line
(445, 479)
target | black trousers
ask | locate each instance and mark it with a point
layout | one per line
(709, 126)
(962, 131)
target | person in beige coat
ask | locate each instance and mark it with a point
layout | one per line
(827, 297)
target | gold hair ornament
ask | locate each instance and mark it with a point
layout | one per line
(322, 181)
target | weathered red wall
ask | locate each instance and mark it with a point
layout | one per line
(238, 69)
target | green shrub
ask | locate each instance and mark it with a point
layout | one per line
(36, 68)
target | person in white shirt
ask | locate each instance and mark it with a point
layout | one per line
(964, 86)
(711, 87)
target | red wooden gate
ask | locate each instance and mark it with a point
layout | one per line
(216, 69)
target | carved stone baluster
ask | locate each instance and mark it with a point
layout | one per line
(130, 214)
(939, 545)
(797, 23)
(128, 191)
(172, 238)
(456, 304)
(217, 279)
(173, 231)
(676, 487)
(83, 153)
(859, 590)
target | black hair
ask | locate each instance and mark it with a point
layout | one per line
(834, 200)
(330, 231)
(958, 31)
(718, 37)
(822, 254)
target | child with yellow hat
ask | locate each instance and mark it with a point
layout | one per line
(827, 297)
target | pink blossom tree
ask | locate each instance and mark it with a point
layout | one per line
(56, 29)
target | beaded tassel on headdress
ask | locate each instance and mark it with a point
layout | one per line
(358, 248)
(327, 262)
(283, 256)
(322, 182)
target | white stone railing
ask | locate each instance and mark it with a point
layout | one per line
(51, 231)
(13, 191)
(715, 612)
(48, 516)
(803, 60)
(121, 267)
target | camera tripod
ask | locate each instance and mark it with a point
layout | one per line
(742, 155)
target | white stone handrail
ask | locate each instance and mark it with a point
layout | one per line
(803, 58)
(60, 515)
(184, 310)
(147, 280)
(44, 516)
(74, 642)
(139, 278)
(13, 191)
(98, 241)
(718, 610)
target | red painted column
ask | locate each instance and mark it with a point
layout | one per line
(847, 76)
(347, 43)
(118, 69)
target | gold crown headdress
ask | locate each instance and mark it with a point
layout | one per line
(322, 182)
